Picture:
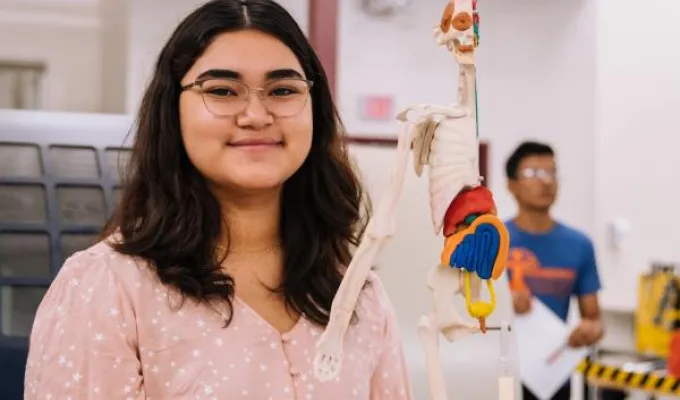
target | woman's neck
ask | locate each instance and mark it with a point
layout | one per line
(252, 224)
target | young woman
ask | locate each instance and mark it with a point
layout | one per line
(217, 273)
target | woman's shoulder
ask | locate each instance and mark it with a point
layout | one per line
(376, 332)
(374, 300)
(91, 283)
(100, 265)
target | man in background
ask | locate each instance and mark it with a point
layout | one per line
(549, 260)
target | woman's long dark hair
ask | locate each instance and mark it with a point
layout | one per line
(168, 216)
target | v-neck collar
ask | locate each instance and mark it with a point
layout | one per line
(255, 314)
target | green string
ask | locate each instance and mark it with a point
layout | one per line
(476, 108)
(476, 30)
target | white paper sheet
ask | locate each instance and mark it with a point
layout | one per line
(540, 333)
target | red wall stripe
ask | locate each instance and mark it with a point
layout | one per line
(323, 34)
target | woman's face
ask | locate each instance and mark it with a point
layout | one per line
(247, 142)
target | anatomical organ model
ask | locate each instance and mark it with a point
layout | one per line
(444, 138)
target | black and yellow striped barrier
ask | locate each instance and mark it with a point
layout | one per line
(609, 376)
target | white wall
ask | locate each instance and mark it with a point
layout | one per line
(638, 137)
(150, 28)
(114, 39)
(66, 39)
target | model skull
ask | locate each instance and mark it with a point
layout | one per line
(457, 27)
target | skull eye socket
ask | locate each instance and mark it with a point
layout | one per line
(446, 17)
(462, 21)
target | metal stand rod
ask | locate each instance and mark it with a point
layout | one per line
(506, 381)
(498, 328)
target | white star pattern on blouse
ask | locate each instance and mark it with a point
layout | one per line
(136, 344)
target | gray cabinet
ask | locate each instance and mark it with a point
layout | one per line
(60, 176)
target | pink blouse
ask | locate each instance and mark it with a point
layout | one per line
(107, 328)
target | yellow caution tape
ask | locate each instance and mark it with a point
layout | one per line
(615, 376)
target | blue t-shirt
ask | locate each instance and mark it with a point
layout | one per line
(555, 265)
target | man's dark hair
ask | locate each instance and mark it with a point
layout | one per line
(524, 150)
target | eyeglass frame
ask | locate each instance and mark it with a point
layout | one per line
(198, 84)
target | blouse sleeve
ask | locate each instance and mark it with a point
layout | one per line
(390, 379)
(83, 341)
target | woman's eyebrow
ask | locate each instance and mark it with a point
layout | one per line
(281, 73)
(219, 73)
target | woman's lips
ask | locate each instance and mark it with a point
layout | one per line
(255, 143)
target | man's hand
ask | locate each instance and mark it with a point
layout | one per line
(521, 301)
(587, 333)
(591, 329)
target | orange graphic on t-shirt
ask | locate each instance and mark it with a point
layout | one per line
(525, 267)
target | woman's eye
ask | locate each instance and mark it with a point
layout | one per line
(221, 92)
(283, 91)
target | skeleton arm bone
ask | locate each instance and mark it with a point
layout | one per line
(379, 231)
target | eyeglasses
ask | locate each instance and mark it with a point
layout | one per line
(228, 97)
(538, 173)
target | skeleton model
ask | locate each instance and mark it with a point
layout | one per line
(475, 240)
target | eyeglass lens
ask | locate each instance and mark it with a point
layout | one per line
(540, 173)
(227, 97)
